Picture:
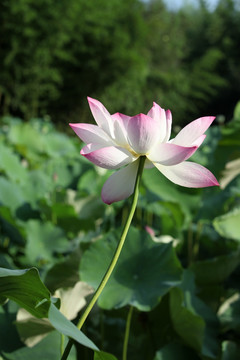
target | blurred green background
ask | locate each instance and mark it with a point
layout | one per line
(125, 53)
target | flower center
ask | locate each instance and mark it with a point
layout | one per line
(128, 147)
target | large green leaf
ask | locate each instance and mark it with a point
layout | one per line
(26, 289)
(145, 270)
(227, 225)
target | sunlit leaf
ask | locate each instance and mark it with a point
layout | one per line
(229, 314)
(232, 169)
(31, 329)
(227, 225)
(73, 299)
(236, 113)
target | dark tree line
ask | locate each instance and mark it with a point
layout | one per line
(125, 53)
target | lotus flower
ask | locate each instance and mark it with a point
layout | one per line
(118, 141)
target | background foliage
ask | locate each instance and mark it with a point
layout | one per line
(125, 53)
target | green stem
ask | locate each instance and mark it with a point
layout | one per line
(127, 332)
(115, 256)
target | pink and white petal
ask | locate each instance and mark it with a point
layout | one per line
(169, 154)
(143, 133)
(89, 133)
(110, 157)
(193, 131)
(120, 185)
(169, 125)
(188, 174)
(199, 141)
(159, 115)
(120, 122)
(101, 116)
(121, 117)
